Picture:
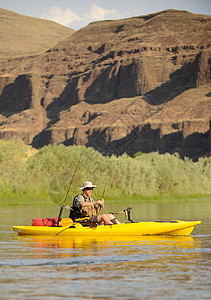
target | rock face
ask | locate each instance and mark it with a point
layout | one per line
(138, 84)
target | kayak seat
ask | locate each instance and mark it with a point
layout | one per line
(87, 223)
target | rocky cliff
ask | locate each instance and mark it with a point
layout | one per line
(138, 84)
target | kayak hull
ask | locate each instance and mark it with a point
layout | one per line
(123, 229)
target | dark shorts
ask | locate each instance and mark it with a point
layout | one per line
(93, 219)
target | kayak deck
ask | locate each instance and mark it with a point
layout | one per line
(123, 229)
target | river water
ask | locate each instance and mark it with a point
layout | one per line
(118, 268)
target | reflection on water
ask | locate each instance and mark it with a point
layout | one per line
(65, 247)
(149, 267)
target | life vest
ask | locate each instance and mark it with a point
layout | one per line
(74, 213)
(88, 211)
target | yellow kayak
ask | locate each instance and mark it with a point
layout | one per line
(124, 229)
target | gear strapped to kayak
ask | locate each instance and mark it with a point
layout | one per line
(50, 222)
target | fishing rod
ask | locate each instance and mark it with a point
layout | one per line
(73, 177)
(104, 189)
(105, 186)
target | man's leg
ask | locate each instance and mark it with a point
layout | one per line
(103, 218)
(108, 219)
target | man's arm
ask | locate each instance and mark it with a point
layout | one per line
(87, 203)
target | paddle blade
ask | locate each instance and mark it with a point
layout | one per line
(66, 222)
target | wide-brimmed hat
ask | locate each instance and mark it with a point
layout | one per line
(87, 184)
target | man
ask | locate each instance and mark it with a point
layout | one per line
(89, 208)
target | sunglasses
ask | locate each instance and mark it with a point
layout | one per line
(89, 189)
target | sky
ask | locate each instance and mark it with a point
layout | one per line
(79, 13)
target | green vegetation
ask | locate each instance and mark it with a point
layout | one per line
(44, 176)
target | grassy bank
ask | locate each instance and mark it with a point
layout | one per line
(30, 176)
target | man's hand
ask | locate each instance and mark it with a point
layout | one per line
(101, 202)
(67, 207)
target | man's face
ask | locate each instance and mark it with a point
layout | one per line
(87, 191)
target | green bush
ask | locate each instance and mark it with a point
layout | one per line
(47, 175)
